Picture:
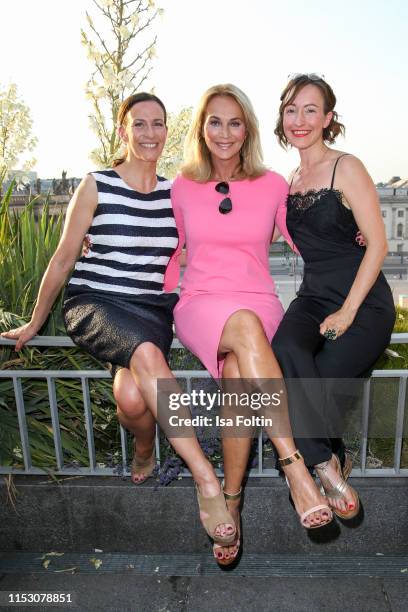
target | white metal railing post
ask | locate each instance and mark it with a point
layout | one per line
(399, 425)
(22, 423)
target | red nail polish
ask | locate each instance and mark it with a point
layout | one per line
(351, 506)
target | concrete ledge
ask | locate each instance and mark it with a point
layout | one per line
(113, 515)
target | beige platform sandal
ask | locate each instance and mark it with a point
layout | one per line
(231, 560)
(218, 514)
(145, 465)
(339, 490)
(296, 456)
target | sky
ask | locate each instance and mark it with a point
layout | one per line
(361, 46)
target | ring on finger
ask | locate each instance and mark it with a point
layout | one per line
(330, 334)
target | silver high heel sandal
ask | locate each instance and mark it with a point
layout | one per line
(338, 490)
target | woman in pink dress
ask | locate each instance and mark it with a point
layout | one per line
(226, 205)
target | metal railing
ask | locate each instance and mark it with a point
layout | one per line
(188, 375)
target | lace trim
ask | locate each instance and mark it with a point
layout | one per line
(303, 201)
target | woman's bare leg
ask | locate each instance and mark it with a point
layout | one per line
(244, 335)
(147, 366)
(236, 454)
(134, 415)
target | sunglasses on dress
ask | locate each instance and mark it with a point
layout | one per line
(225, 204)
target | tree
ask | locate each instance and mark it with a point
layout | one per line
(15, 132)
(121, 47)
(178, 124)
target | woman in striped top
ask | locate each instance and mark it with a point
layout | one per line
(115, 306)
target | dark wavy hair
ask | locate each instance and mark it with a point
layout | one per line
(290, 92)
(125, 107)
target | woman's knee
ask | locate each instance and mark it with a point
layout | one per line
(127, 395)
(243, 328)
(147, 359)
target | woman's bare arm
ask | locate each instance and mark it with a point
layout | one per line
(79, 216)
(359, 190)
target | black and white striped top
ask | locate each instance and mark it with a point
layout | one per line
(132, 238)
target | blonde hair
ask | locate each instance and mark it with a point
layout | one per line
(197, 164)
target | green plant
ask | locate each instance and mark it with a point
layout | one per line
(27, 242)
(383, 415)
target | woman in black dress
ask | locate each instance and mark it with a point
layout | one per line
(343, 317)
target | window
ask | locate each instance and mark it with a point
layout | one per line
(400, 213)
(384, 214)
(400, 230)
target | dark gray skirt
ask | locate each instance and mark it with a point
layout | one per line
(110, 326)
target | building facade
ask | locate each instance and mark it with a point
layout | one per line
(394, 210)
(393, 200)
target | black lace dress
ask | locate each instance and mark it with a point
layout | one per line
(324, 231)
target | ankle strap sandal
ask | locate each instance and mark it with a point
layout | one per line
(291, 459)
(339, 489)
(323, 508)
(232, 560)
(231, 495)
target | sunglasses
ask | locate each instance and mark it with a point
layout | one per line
(226, 204)
(312, 76)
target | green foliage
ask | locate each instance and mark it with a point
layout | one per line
(27, 242)
(401, 321)
(171, 160)
(395, 358)
(70, 411)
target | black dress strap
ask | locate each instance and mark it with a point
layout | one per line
(335, 166)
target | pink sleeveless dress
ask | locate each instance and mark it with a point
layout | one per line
(227, 259)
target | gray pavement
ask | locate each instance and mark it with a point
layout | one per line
(124, 592)
(145, 584)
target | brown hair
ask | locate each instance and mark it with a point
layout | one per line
(125, 107)
(197, 159)
(290, 92)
